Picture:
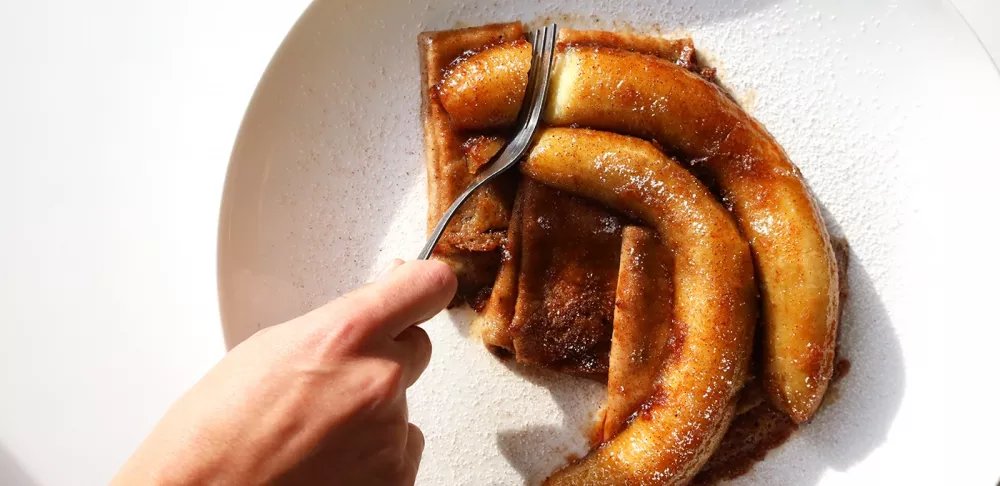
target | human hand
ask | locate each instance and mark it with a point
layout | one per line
(320, 399)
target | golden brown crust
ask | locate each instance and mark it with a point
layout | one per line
(682, 423)
(480, 149)
(494, 322)
(488, 61)
(678, 51)
(759, 426)
(484, 88)
(566, 285)
(471, 244)
(437, 51)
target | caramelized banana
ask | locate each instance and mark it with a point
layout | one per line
(651, 97)
(484, 88)
(714, 304)
(488, 73)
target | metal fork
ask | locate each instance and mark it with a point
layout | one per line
(543, 44)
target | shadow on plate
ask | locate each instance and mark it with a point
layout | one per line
(859, 410)
(11, 472)
(298, 229)
(536, 452)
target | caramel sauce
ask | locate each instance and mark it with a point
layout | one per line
(567, 285)
(752, 435)
(747, 441)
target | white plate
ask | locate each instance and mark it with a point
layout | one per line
(892, 112)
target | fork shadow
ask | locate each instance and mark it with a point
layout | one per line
(853, 422)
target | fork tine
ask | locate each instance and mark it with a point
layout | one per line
(536, 92)
(540, 87)
(535, 39)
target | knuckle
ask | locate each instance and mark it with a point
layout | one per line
(348, 329)
(389, 380)
(440, 276)
(336, 339)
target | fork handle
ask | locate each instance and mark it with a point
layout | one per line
(502, 162)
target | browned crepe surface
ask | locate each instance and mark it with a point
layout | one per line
(471, 244)
(558, 305)
(644, 331)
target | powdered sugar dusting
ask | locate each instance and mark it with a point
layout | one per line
(338, 190)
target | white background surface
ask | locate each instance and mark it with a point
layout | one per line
(116, 124)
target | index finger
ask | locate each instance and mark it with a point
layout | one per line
(413, 292)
